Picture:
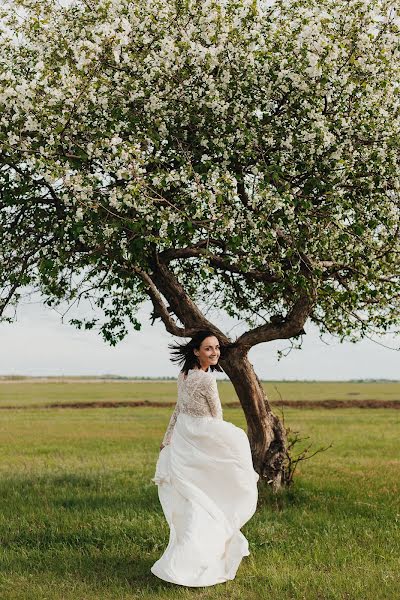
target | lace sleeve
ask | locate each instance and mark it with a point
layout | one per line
(209, 390)
(171, 425)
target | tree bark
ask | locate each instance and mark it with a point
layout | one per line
(267, 435)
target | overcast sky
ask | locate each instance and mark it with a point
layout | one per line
(40, 344)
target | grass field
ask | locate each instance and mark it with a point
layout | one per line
(16, 393)
(80, 518)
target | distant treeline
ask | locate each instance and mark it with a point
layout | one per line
(164, 378)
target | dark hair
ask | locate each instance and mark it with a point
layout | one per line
(184, 355)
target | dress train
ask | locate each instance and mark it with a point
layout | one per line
(207, 488)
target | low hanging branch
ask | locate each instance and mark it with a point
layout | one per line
(160, 309)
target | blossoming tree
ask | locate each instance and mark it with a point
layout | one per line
(178, 150)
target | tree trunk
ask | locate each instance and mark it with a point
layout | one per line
(267, 435)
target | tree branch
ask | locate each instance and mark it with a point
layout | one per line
(160, 309)
(185, 309)
(280, 328)
(4, 302)
(218, 262)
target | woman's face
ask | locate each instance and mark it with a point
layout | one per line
(209, 352)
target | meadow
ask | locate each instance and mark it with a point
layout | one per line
(81, 520)
(67, 390)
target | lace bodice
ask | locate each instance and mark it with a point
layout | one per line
(197, 396)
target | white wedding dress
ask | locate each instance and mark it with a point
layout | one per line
(207, 487)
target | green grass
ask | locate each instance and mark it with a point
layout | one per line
(80, 518)
(27, 393)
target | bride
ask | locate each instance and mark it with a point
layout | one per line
(207, 485)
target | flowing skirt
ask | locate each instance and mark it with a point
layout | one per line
(207, 488)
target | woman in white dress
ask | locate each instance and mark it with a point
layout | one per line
(207, 485)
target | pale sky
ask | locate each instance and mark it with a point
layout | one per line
(40, 344)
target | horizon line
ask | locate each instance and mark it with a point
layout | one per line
(173, 378)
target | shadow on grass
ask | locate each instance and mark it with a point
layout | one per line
(304, 495)
(106, 570)
(108, 530)
(101, 532)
